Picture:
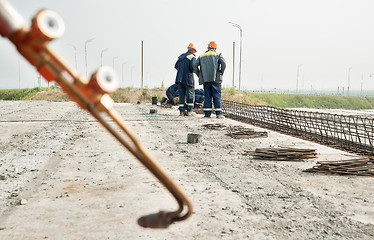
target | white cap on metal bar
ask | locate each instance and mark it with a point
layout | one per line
(10, 20)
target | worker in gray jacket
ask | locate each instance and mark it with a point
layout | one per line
(210, 67)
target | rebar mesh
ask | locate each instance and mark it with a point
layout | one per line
(349, 133)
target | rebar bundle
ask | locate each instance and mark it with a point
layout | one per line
(215, 126)
(239, 132)
(361, 167)
(350, 133)
(282, 154)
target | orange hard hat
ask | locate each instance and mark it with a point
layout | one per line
(192, 46)
(213, 44)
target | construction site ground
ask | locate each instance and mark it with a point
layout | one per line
(62, 176)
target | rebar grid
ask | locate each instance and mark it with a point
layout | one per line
(350, 133)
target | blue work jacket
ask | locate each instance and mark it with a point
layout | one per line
(184, 66)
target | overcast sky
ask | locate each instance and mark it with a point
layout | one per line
(329, 41)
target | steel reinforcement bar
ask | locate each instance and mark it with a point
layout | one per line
(349, 133)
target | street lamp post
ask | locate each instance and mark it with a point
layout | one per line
(297, 77)
(233, 65)
(19, 74)
(349, 80)
(75, 55)
(362, 82)
(101, 56)
(40, 80)
(85, 51)
(142, 67)
(240, 60)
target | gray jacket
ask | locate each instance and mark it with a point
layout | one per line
(210, 67)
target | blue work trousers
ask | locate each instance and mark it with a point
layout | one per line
(170, 97)
(212, 91)
(186, 95)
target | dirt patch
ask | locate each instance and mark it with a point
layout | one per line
(79, 183)
(53, 95)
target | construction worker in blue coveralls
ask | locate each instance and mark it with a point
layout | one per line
(186, 81)
(171, 93)
(210, 67)
(199, 98)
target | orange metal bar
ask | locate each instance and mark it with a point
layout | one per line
(32, 43)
